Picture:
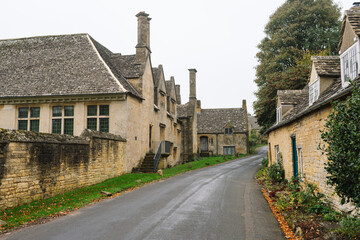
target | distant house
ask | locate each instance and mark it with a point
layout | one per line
(65, 84)
(223, 131)
(301, 114)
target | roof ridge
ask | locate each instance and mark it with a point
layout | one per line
(46, 36)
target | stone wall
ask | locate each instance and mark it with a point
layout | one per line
(37, 165)
(311, 163)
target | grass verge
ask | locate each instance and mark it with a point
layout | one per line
(62, 204)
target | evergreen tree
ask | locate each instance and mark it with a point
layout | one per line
(297, 28)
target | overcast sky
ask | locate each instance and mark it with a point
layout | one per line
(218, 38)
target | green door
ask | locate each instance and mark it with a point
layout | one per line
(295, 158)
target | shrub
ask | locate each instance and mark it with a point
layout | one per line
(276, 173)
(350, 227)
(342, 135)
(265, 162)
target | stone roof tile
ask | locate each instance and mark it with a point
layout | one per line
(327, 65)
(215, 120)
(54, 65)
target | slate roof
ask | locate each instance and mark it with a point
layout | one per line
(183, 110)
(127, 65)
(327, 65)
(333, 92)
(215, 120)
(58, 65)
(253, 122)
(290, 97)
(353, 16)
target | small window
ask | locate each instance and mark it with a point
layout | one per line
(229, 150)
(26, 122)
(278, 115)
(277, 154)
(301, 162)
(314, 91)
(228, 130)
(98, 117)
(63, 120)
(349, 64)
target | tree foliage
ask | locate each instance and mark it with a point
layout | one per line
(342, 135)
(297, 28)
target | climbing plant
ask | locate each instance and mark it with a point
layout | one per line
(342, 135)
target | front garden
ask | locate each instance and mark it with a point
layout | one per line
(305, 210)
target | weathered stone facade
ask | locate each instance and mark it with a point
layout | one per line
(37, 165)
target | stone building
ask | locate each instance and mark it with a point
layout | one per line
(301, 114)
(65, 84)
(223, 131)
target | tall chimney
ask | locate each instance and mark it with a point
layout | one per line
(178, 96)
(143, 45)
(192, 84)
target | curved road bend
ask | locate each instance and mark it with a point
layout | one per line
(220, 202)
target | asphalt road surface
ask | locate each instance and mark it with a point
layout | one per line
(219, 202)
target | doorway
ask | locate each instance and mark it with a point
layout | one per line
(295, 157)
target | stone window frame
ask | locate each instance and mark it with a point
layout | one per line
(277, 154)
(229, 147)
(300, 158)
(102, 120)
(278, 114)
(228, 131)
(30, 119)
(64, 119)
(314, 91)
(349, 61)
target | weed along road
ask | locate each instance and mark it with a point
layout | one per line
(219, 202)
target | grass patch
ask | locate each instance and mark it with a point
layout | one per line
(72, 200)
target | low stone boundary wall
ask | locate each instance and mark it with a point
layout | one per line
(38, 165)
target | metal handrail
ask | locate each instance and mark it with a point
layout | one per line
(157, 157)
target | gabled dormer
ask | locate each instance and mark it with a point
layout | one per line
(159, 87)
(349, 45)
(324, 71)
(171, 96)
(286, 102)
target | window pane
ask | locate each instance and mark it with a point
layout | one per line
(34, 112)
(69, 111)
(23, 112)
(104, 124)
(57, 111)
(34, 125)
(69, 126)
(92, 123)
(92, 110)
(23, 124)
(56, 126)
(104, 110)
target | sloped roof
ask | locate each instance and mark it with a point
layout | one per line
(302, 108)
(353, 17)
(215, 120)
(183, 110)
(353, 14)
(253, 122)
(127, 65)
(327, 65)
(58, 65)
(290, 97)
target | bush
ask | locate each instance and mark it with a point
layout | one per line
(276, 173)
(265, 162)
(350, 227)
(342, 135)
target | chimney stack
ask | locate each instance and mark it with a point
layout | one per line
(192, 84)
(143, 45)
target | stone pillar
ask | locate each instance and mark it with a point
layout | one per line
(192, 79)
(143, 45)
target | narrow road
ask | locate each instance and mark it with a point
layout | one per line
(219, 202)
